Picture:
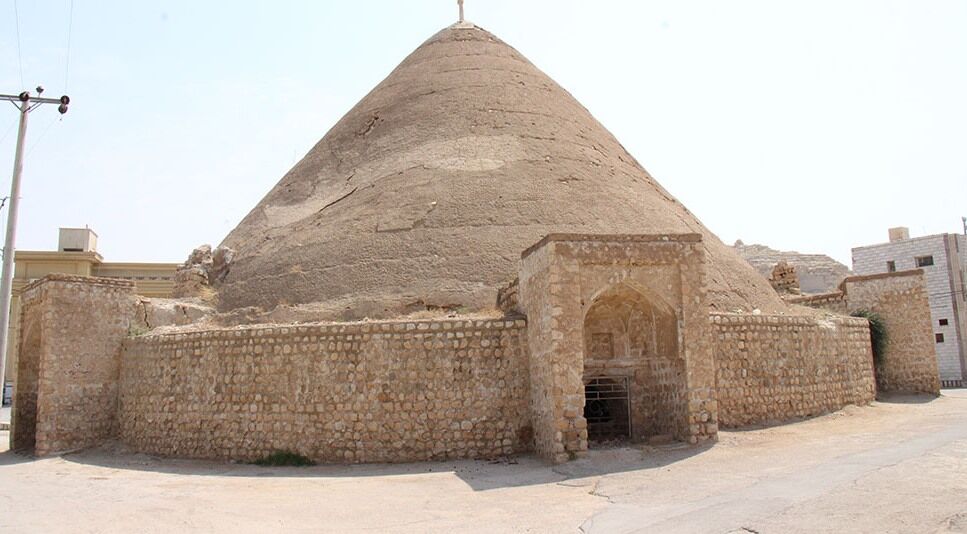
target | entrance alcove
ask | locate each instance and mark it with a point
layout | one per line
(634, 377)
(617, 325)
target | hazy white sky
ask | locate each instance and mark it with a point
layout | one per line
(811, 126)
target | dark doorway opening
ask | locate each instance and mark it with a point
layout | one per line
(607, 409)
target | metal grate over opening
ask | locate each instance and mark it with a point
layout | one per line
(607, 408)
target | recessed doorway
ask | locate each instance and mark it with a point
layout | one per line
(607, 408)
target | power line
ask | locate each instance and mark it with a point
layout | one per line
(70, 31)
(20, 59)
(42, 134)
(5, 134)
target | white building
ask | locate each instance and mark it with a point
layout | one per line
(943, 258)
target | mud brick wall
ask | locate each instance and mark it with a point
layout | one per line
(341, 393)
(909, 363)
(69, 359)
(773, 368)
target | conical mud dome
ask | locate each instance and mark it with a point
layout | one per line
(425, 194)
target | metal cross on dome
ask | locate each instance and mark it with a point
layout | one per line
(460, 3)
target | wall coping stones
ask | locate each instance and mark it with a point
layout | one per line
(77, 279)
(866, 277)
(784, 320)
(819, 297)
(414, 327)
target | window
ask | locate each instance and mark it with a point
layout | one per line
(943, 322)
(939, 338)
(924, 261)
(891, 266)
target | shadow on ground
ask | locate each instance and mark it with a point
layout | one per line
(901, 398)
(480, 475)
(884, 398)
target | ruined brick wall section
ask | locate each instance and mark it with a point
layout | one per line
(74, 329)
(784, 279)
(340, 393)
(774, 368)
(909, 364)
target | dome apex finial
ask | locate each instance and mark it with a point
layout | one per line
(460, 5)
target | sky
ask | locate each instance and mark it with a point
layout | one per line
(811, 126)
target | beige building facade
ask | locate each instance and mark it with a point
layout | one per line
(77, 254)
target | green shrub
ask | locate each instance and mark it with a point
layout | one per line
(284, 459)
(878, 334)
(136, 330)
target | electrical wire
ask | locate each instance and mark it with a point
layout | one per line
(16, 12)
(42, 134)
(5, 134)
(70, 31)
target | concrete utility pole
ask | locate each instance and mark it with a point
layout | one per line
(25, 103)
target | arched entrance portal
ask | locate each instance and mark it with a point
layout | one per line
(634, 378)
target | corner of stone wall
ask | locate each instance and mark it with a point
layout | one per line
(909, 362)
(702, 406)
(69, 362)
(547, 410)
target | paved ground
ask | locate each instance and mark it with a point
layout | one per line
(898, 466)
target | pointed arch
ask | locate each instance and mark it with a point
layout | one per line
(631, 337)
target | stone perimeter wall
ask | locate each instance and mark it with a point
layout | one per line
(347, 393)
(409, 391)
(773, 368)
(909, 363)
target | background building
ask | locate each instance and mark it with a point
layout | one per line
(943, 258)
(77, 254)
